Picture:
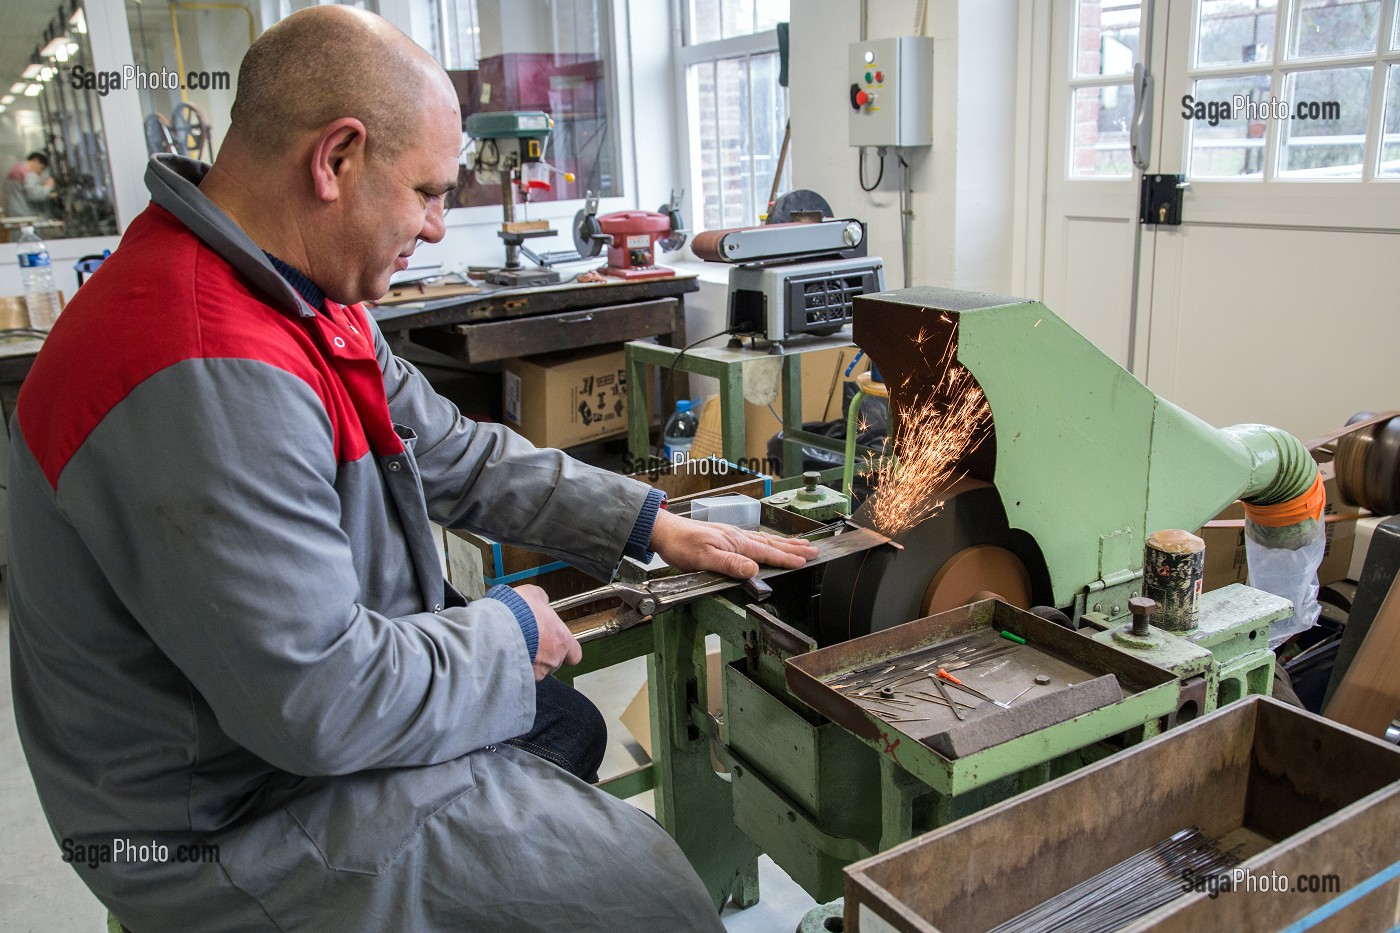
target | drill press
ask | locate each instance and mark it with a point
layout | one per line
(510, 149)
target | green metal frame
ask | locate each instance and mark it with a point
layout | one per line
(814, 796)
(726, 366)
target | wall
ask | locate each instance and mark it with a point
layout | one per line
(962, 184)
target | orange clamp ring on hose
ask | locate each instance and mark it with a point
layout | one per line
(1298, 509)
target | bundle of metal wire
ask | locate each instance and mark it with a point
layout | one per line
(1131, 889)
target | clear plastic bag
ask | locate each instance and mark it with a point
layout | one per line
(1284, 561)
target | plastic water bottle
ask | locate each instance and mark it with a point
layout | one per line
(40, 293)
(679, 432)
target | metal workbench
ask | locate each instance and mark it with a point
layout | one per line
(503, 323)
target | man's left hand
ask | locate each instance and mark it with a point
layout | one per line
(690, 545)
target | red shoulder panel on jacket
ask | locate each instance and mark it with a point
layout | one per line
(161, 298)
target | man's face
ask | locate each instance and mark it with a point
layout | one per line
(395, 202)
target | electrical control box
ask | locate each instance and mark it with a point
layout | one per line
(891, 88)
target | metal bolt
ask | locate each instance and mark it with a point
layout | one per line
(1042, 679)
(1098, 607)
(1142, 608)
(1117, 609)
(810, 479)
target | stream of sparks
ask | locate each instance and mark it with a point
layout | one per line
(932, 435)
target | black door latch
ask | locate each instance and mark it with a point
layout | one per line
(1161, 199)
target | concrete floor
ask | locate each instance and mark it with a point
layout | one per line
(39, 893)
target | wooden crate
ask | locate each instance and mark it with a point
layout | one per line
(1313, 797)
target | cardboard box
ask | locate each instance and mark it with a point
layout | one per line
(637, 716)
(1341, 535)
(819, 402)
(1225, 558)
(568, 398)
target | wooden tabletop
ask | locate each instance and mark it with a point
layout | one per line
(498, 304)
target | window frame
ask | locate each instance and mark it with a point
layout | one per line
(686, 55)
(620, 101)
(1280, 66)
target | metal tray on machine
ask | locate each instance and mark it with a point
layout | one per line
(1094, 692)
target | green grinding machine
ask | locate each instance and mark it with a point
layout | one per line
(879, 693)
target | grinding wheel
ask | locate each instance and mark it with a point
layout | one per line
(974, 571)
(963, 549)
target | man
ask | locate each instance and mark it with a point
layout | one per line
(229, 626)
(26, 187)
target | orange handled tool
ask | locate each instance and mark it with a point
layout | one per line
(977, 693)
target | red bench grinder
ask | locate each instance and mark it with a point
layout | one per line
(631, 238)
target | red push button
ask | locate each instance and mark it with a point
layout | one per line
(879, 77)
(862, 98)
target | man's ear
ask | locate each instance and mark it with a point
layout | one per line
(339, 153)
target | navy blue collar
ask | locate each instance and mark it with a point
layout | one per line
(298, 280)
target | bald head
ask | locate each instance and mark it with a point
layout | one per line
(328, 62)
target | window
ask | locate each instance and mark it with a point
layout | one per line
(1296, 87)
(736, 112)
(507, 55)
(66, 191)
(1106, 47)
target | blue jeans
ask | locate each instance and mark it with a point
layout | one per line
(568, 731)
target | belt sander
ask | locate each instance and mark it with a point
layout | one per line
(791, 279)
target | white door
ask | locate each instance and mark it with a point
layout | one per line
(1091, 183)
(1275, 300)
(1278, 298)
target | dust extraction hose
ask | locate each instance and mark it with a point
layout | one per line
(1285, 538)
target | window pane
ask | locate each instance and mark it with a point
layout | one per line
(1325, 27)
(735, 18)
(711, 20)
(564, 71)
(732, 119)
(1101, 118)
(704, 143)
(1108, 37)
(704, 20)
(463, 46)
(1234, 146)
(1390, 140)
(68, 191)
(769, 121)
(1326, 134)
(1232, 32)
(769, 13)
(737, 117)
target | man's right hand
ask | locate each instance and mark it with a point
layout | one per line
(558, 645)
